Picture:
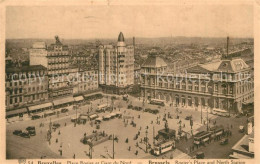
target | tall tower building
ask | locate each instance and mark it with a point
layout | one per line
(116, 67)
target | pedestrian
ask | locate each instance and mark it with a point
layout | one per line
(74, 156)
(129, 148)
(59, 132)
(65, 124)
(231, 126)
(136, 153)
(126, 141)
(56, 140)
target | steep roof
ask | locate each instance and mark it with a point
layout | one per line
(231, 66)
(154, 61)
(121, 37)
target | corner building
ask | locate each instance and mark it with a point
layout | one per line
(116, 67)
(55, 58)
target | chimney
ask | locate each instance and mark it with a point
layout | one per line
(134, 44)
(227, 45)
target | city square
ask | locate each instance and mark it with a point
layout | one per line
(70, 135)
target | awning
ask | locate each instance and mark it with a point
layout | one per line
(84, 117)
(112, 114)
(102, 106)
(78, 98)
(40, 106)
(17, 111)
(93, 116)
(63, 101)
(220, 110)
(50, 112)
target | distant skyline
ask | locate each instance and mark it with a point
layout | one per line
(97, 22)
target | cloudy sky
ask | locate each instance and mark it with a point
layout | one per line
(141, 21)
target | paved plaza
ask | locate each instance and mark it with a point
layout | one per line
(68, 137)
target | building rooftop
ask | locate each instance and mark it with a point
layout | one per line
(25, 68)
(121, 37)
(39, 45)
(154, 61)
(231, 66)
(243, 144)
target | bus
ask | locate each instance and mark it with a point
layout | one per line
(216, 131)
(163, 147)
(102, 108)
(220, 112)
(157, 102)
(201, 137)
(49, 113)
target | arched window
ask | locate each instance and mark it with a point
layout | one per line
(183, 85)
(224, 89)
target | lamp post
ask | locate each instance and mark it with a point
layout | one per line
(207, 119)
(201, 113)
(76, 120)
(191, 124)
(146, 140)
(113, 155)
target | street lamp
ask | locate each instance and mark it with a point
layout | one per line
(207, 119)
(146, 140)
(76, 120)
(201, 113)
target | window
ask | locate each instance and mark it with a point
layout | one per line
(224, 89)
(21, 99)
(15, 100)
(20, 83)
(166, 85)
(190, 86)
(216, 87)
(11, 101)
(20, 90)
(177, 85)
(183, 85)
(203, 87)
(196, 86)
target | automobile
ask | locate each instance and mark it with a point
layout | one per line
(17, 132)
(224, 141)
(34, 117)
(129, 106)
(25, 134)
(200, 155)
(55, 125)
(64, 110)
(147, 110)
(154, 111)
(241, 129)
(31, 130)
(98, 120)
(188, 117)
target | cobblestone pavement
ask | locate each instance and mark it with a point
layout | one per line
(70, 135)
